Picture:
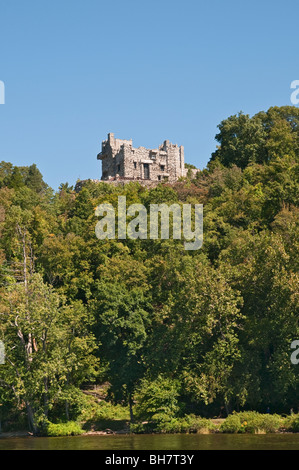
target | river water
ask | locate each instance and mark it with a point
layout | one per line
(157, 442)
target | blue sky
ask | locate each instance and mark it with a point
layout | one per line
(75, 70)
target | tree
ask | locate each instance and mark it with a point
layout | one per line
(260, 139)
(48, 347)
(263, 267)
(241, 141)
(195, 329)
(157, 399)
(6, 170)
(122, 312)
(34, 179)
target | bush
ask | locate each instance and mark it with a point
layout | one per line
(232, 424)
(251, 422)
(104, 415)
(197, 424)
(255, 422)
(142, 428)
(291, 423)
(107, 411)
(64, 429)
(189, 424)
(157, 399)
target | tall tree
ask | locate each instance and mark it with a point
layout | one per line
(48, 347)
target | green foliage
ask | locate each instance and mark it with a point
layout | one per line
(104, 415)
(189, 424)
(252, 422)
(121, 300)
(188, 165)
(48, 347)
(157, 399)
(17, 177)
(171, 331)
(260, 139)
(64, 429)
(92, 410)
(231, 425)
(291, 423)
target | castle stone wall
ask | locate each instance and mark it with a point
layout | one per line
(120, 160)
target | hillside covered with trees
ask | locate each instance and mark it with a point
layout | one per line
(173, 332)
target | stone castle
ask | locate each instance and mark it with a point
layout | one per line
(122, 162)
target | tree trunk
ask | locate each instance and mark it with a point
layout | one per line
(46, 397)
(31, 422)
(131, 409)
(227, 408)
(67, 415)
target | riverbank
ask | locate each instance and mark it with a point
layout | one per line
(249, 422)
(15, 434)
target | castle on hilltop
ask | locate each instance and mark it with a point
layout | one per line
(121, 161)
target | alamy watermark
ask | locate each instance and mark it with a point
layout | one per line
(154, 225)
(2, 353)
(2, 92)
(295, 354)
(295, 94)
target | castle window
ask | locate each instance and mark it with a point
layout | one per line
(162, 167)
(135, 165)
(146, 171)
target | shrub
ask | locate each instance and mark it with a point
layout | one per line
(170, 426)
(142, 428)
(232, 424)
(255, 422)
(108, 411)
(271, 423)
(157, 399)
(291, 423)
(103, 410)
(188, 424)
(252, 422)
(104, 415)
(197, 424)
(64, 429)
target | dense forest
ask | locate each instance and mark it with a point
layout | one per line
(173, 332)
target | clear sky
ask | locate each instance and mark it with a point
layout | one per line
(75, 70)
